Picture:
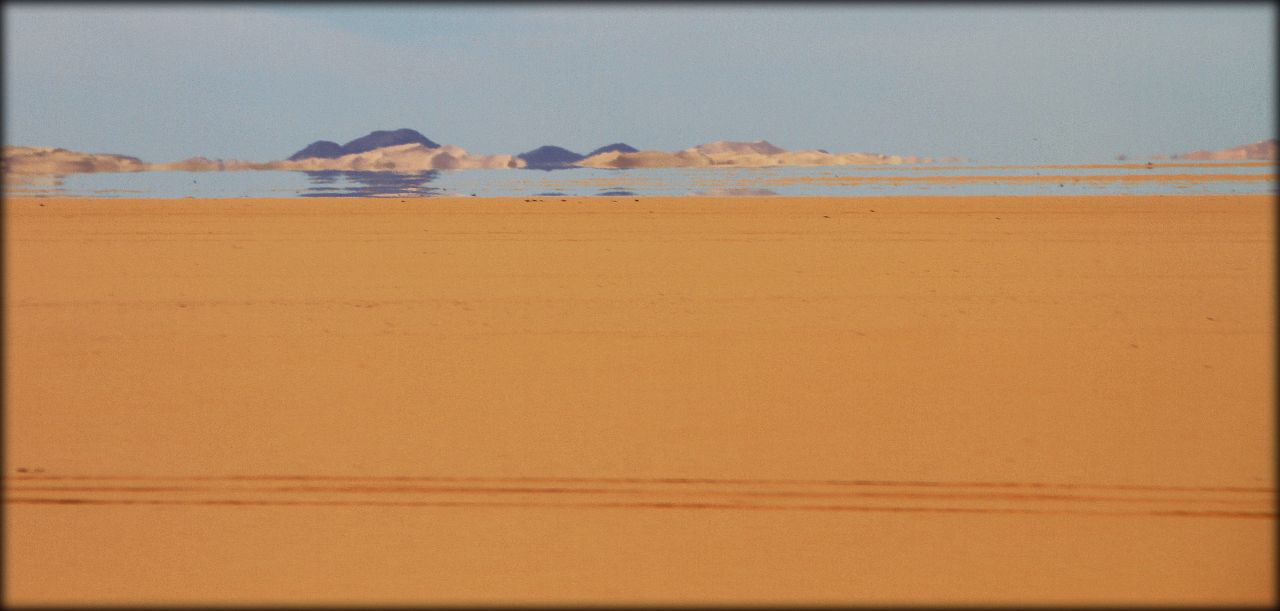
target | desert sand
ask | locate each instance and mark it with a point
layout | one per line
(931, 400)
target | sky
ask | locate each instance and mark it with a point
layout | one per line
(987, 82)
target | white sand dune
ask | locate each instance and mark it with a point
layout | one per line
(49, 160)
(204, 164)
(646, 159)
(721, 147)
(759, 153)
(402, 158)
(1263, 150)
(405, 158)
(416, 158)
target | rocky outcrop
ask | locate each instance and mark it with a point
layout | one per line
(620, 147)
(320, 149)
(383, 139)
(550, 158)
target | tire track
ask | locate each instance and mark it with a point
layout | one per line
(1004, 497)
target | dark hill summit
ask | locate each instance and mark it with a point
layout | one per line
(374, 140)
(379, 139)
(616, 146)
(323, 149)
(550, 158)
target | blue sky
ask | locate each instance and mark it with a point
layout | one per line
(998, 82)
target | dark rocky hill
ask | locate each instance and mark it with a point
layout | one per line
(550, 158)
(374, 140)
(616, 146)
(379, 139)
(323, 149)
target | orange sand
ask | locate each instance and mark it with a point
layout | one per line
(1093, 166)
(933, 400)
(1059, 178)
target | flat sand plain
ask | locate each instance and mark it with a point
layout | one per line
(936, 400)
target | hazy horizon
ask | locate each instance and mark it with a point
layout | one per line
(999, 82)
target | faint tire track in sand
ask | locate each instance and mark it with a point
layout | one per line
(931, 400)
(652, 493)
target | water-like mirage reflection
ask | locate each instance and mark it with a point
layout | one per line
(844, 181)
(337, 183)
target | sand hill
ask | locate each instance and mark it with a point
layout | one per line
(646, 159)
(1262, 150)
(413, 152)
(403, 158)
(741, 154)
(47, 160)
(204, 164)
(726, 147)
(414, 157)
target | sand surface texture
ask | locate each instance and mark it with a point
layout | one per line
(664, 400)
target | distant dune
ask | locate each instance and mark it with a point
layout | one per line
(405, 150)
(204, 164)
(1263, 150)
(403, 158)
(741, 154)
(46, 160)
(726, 147)
(401, 150)
(646, 159)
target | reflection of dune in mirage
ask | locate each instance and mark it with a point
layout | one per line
(334, 183)
(736, 192)
(35, 180)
